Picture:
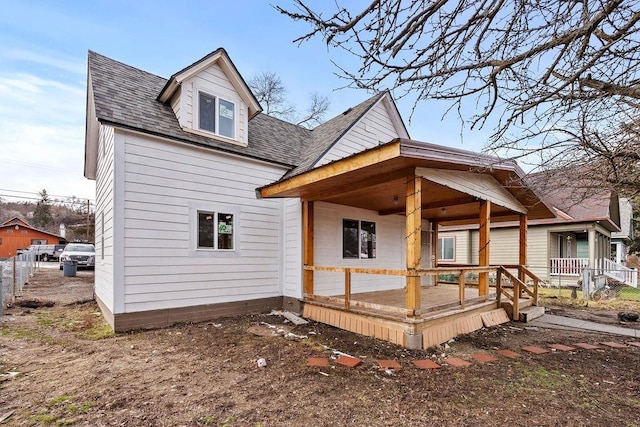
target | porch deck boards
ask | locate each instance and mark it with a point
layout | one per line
(433, 299)
(441, 316)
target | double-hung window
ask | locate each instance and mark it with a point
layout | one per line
(216, 115)
(446, 249)
(358, 239)
(215, 230)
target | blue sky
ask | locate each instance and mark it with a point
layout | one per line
(43, 52)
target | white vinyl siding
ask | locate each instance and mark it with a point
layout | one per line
(505, 245)
(390, 247)
(292, 248)
(375, 128)
(164, 184)
(462, 249)
(105, 188)
(213, 82)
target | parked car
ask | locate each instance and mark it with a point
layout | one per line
(47, 252)
(83, 253)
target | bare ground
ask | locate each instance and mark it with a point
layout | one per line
(59, 365)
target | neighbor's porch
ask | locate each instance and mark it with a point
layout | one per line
(420, 182)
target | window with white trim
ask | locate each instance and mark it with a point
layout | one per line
(215, 230)
(358, 239)
(446, 248)
(216, 115)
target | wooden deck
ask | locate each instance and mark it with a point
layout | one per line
(431, 315)
(434, 300)
(442, 316)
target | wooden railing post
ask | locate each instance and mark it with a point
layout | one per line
(347, 288)
(516, 299)
(498, 286)
(461, 284)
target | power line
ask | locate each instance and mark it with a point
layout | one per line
(38, 194)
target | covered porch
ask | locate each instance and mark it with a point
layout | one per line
(428, 185)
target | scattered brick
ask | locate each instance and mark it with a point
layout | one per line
(634, 343)
(614, 344)
(587, 346)
(426, 364)
(389, 364)
(508, 353)
(484, 357)
(535, 350)
(457, 362)
(319, 362)
(348, 361)
(562, 347)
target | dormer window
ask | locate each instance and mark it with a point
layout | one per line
(216, 115)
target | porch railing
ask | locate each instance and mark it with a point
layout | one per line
(349, 303)
(514, 287)
(628, 276)
(568, 266)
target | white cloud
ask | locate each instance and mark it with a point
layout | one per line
(53, 59)
(42, 133)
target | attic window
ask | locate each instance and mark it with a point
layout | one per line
(216, 115)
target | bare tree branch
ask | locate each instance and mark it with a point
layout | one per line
(557, 81)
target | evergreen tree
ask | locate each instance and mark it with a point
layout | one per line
(42, 217)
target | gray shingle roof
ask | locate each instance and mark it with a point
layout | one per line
(126, 96)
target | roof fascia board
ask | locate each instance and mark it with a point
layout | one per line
(395, 116)
(425, 150)
(333, 169)
(91, 133)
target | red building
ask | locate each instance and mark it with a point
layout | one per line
(18, 234)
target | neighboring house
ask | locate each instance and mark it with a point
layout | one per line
(593, 232)
(207, 207)
(621, 240)
(16, 233)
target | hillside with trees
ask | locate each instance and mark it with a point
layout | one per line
(48, 214)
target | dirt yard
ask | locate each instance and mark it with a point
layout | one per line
(60, 365)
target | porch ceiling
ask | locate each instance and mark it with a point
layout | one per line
(376, 179)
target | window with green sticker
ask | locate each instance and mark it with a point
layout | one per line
(215, 230)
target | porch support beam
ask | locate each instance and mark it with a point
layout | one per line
(436, 245)
(413, 241)
(307, 239)
(522, 254)
(485, 226)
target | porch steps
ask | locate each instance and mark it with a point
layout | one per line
(530, 313)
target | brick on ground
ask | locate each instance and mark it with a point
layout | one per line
(426, 364)
(535, 349)
(351, 362)
(457, 362)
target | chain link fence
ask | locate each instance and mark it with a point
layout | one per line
(14, 273)
(588, 284)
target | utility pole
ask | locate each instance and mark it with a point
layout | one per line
(88, 218)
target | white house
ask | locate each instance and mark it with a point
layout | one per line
(207, 207)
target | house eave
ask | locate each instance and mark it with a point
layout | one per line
(384, 169)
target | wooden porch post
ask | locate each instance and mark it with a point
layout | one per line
(435, 245)
(307, 229)
(522, 258)
(414, 236)
(485, 225)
